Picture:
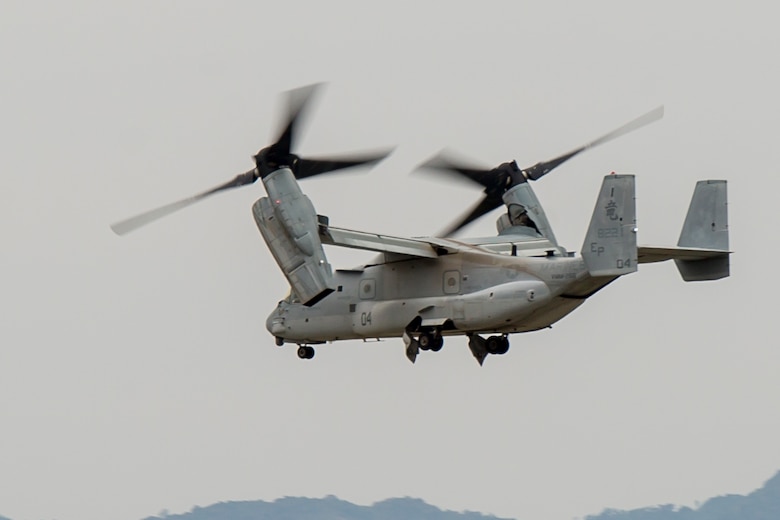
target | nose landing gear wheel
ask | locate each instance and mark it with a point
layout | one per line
(305, 352)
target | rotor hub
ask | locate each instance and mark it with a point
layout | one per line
(269, 159)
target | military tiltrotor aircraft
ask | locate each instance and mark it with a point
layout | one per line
(426, 289)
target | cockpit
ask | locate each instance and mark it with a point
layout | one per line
(517, 221)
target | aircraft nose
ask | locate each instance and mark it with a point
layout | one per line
(275, 323)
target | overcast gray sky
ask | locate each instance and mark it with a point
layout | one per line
(136, 373)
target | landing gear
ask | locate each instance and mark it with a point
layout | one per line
(432, 340)
(425, 340)
(429, 339)
(497, 345)
(305, 352)
(481, 347)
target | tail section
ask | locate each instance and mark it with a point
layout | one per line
(706, 227)
(610, 245)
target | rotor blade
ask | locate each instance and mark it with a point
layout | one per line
(297, 100)
(446, 164)
(540, 169)
(309, 167)
(484, 206)
(133, 223)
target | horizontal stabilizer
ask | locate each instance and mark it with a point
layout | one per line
(651, 254)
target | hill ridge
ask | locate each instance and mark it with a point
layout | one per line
(760, 504)
(329, 507)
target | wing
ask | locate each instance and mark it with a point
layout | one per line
(420, 247)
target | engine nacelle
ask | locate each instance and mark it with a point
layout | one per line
(288, 222)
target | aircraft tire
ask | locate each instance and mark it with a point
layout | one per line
(493, 344)
(438, 343)
(305, 352)
(503, 345)
(426, 341)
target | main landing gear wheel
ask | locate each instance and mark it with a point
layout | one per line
(497, 345)
(425, 340)
(305, 352)
(430, 341)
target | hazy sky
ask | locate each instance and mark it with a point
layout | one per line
(136, 373)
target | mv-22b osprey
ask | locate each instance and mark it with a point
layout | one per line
(425, 289)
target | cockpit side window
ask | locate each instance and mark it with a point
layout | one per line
(518, 216)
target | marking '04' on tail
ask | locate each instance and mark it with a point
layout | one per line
(610, 245)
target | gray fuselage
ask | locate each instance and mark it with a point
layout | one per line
(483, 289)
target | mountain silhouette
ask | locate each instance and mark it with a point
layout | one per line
(328, 508)
(761, 504)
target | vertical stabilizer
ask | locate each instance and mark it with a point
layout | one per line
(706, 227)
(610, 244)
